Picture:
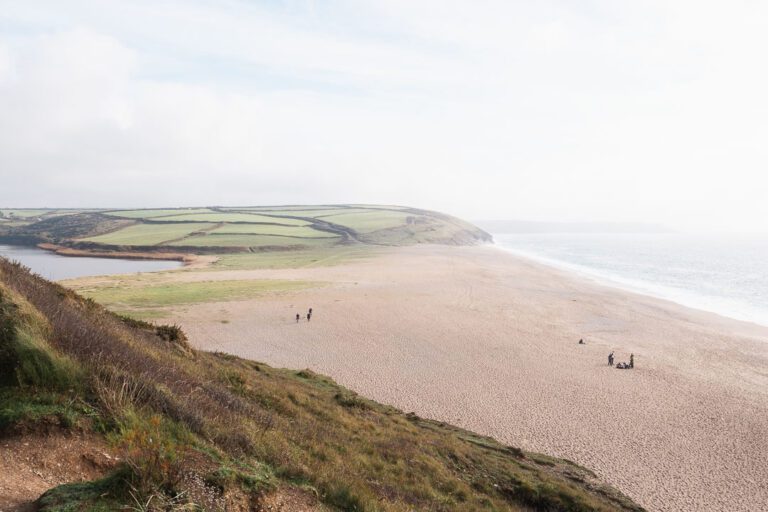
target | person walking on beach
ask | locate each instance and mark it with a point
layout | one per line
(310, 311)
(631, 360)
(610, 359)
(309, 316)
(298, 317)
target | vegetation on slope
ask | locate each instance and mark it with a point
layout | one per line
(203, 431)
(142, 294)
(149, 234)
(51, 228)
(247, 229)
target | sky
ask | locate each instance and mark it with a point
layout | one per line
(652, 111)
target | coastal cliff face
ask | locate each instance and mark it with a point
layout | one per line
(160, 423)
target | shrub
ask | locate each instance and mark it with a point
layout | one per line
(117, 393)
(340, 495)
(26, 358)
(171, 333)
(235, 381)
(351, 401)
(154, 456)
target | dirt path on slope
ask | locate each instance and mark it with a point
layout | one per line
(32, 464)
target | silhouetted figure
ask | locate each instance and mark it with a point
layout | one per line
(298, 317)
(610, 359)
(310, 311)
(309, 317)
(631, 360)
(581, 341)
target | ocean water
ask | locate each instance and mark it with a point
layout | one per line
(724, 275)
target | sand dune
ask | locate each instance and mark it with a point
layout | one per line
(488, 341)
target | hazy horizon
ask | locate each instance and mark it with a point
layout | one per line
(544, 112)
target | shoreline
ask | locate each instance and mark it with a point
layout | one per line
(635, 286)
(595, 276)
(486, 340)
(188, 260)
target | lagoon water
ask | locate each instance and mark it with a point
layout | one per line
(55, 267)
(724, 275)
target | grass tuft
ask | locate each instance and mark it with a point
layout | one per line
(351, 401)
(103, 495)
(26, 359)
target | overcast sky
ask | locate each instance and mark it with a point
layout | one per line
(651, 111)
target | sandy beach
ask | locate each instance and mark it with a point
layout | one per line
(489, 341)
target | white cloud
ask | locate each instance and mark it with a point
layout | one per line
(544, 110)
(6, 65)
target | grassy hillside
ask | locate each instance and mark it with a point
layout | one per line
(150, 234)
(234, 230)
(206, 431)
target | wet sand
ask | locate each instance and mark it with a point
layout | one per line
(489, 341)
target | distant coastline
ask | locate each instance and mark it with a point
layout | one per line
(504, 227)
(734, 307)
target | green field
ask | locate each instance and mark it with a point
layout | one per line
(271, 229)
(314, 213)
(315, 257)
(244, 240)
(148, 234)
(233, 217)
(150, 214)
(378, 206)
(23, 213)
(368, 221)
(280, 209)
(160, 295)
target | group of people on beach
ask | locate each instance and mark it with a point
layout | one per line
(309, 316)
(622, 366)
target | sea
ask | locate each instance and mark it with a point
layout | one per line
(727, 275)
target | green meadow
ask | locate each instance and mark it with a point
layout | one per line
(291, 227)
(316, 257)
(23, 213)
(314, 213)
(272, 229)
(274, 242)
(150, 214)
(148, 234)
(120, 296)
(367, 221)
(233, 217)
